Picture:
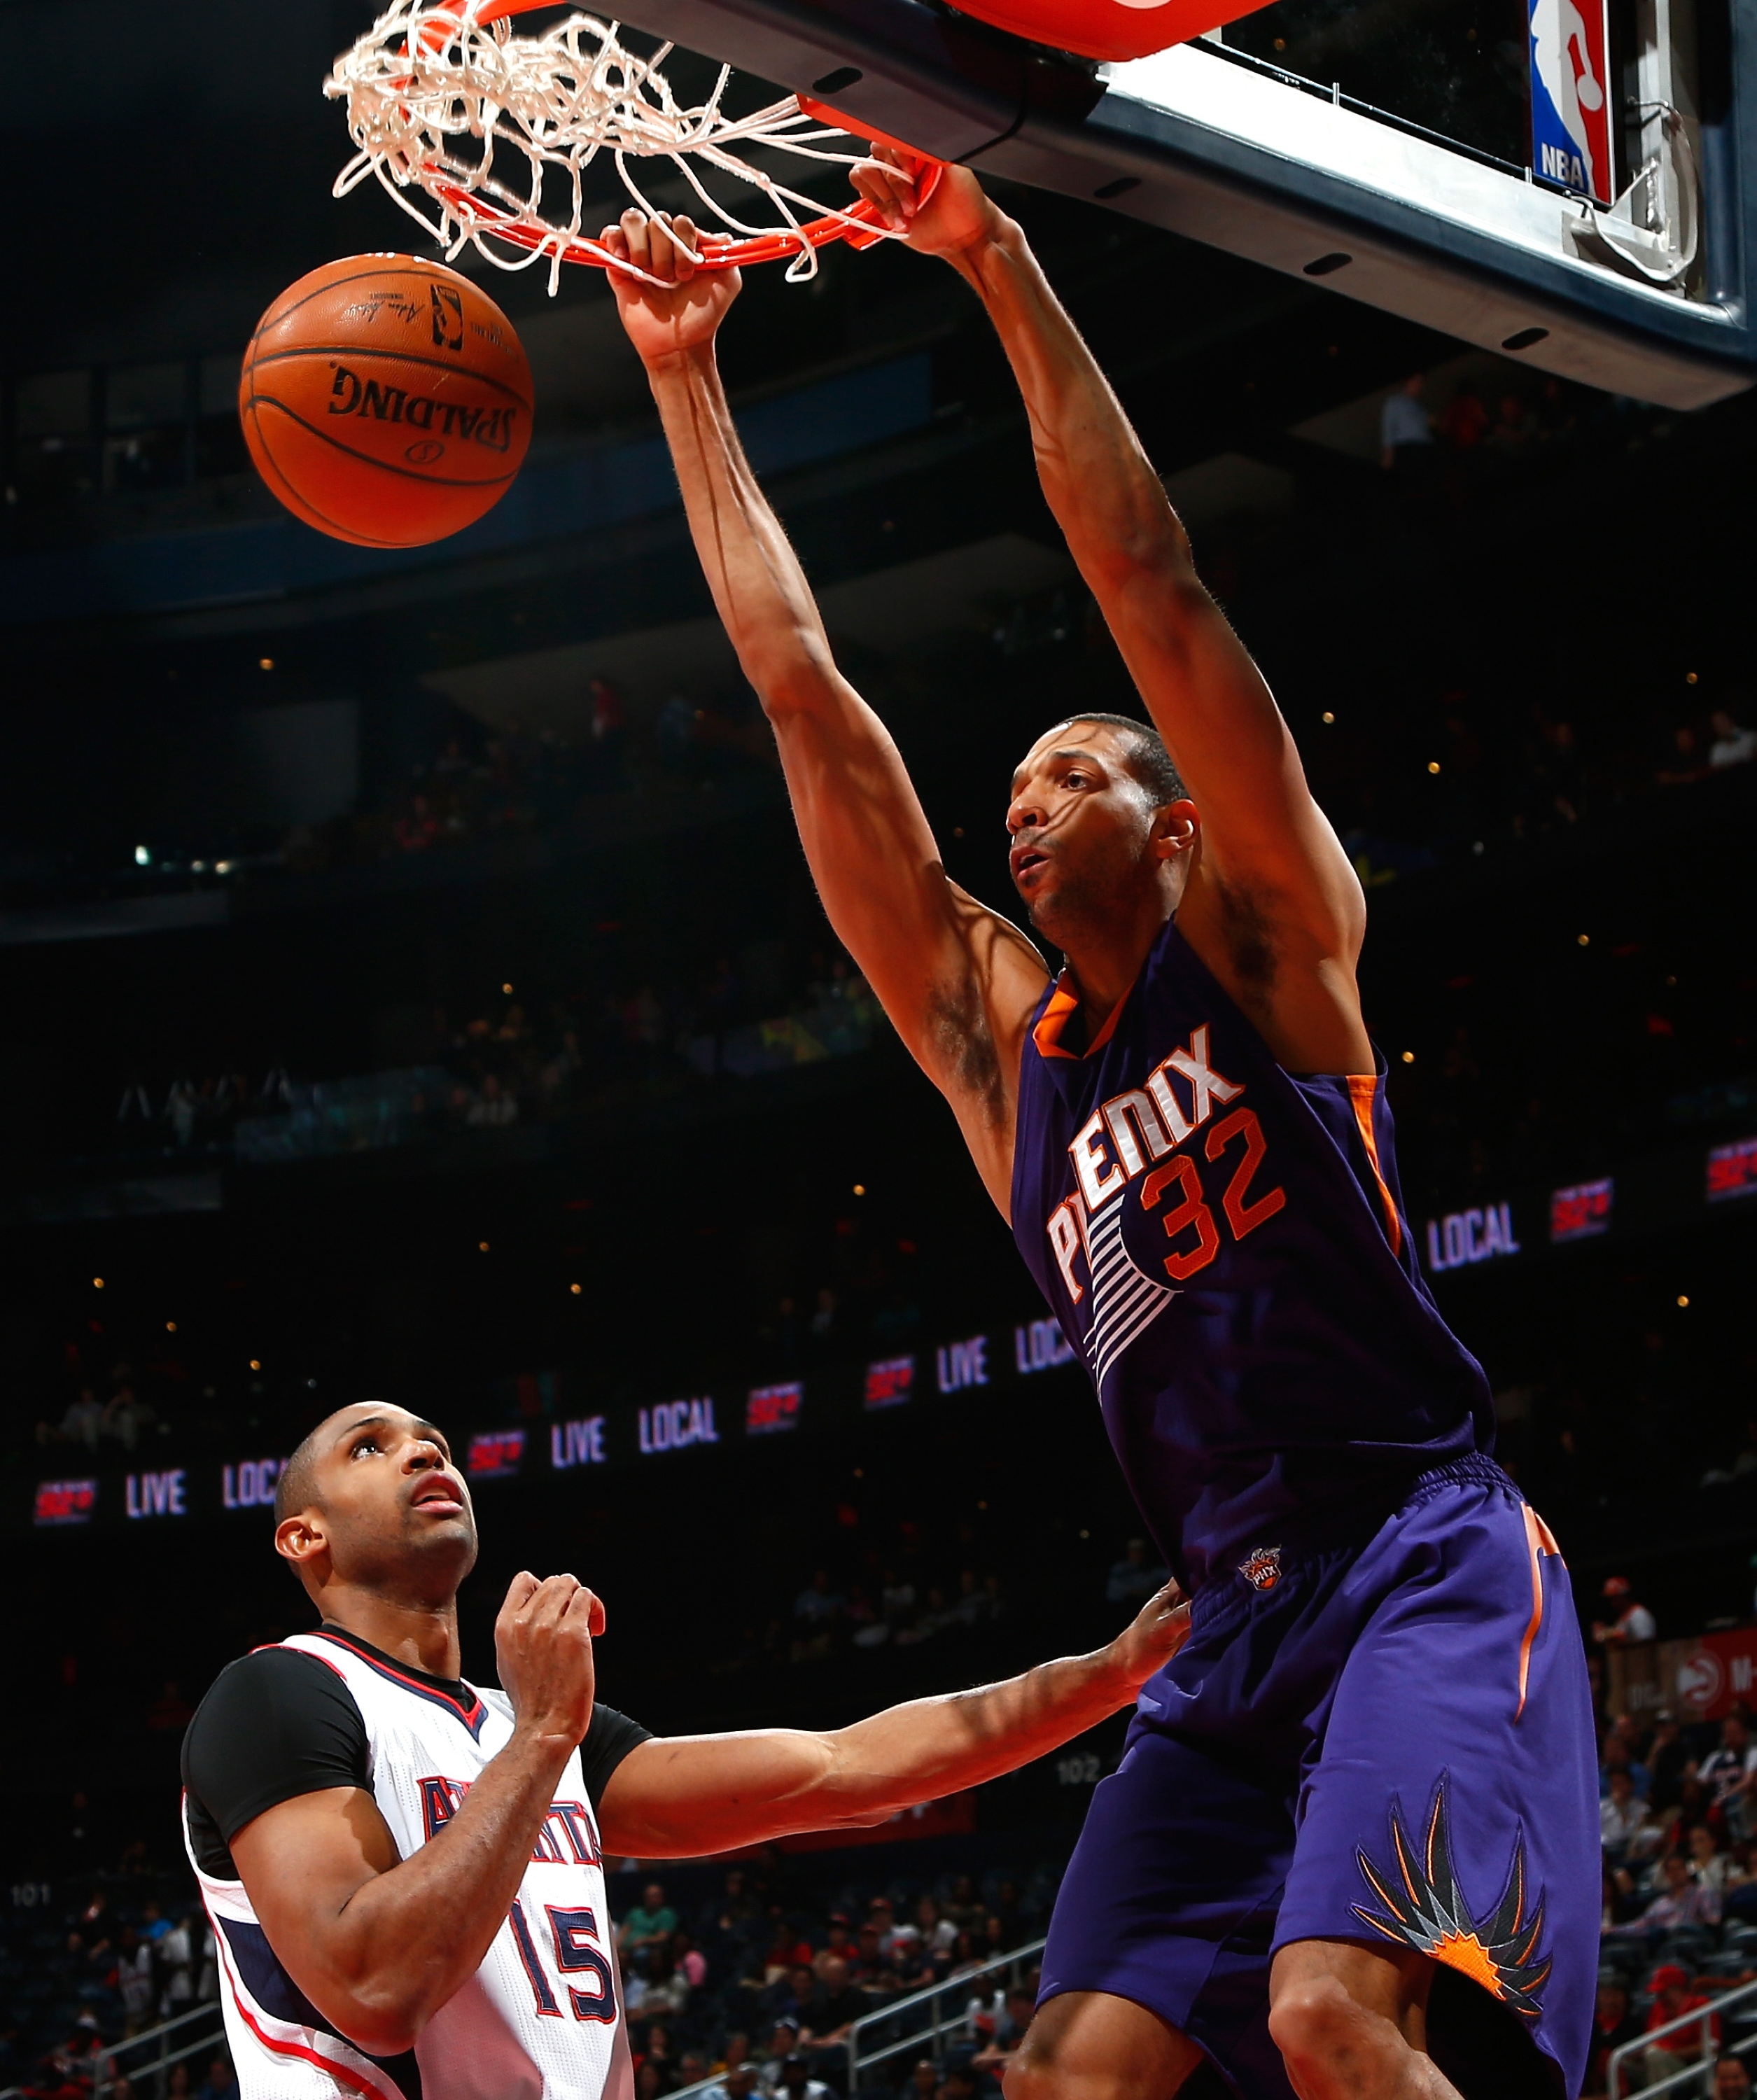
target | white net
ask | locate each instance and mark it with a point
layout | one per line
(484, 137)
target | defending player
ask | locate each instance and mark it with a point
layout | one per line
(405, 1875)
(1369, 1775)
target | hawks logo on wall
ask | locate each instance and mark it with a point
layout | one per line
(1425, 1909)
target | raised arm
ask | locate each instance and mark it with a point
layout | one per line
(957, 981)
(1272, 904)
(379, 1944)
(683, 1796)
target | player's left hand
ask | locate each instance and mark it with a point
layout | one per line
(685, 309)
(1160, 1628)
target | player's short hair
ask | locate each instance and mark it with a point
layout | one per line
(1148, 761)
(297, 1487)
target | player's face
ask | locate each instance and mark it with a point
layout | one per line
(391, 1499)
(1081, 827)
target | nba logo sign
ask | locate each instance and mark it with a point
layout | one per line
(1571, 96)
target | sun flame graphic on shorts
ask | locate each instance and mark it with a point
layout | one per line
(1428, 1913)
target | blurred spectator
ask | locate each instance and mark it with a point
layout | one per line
(656, 1990)
(796, 2082)
(1615, 1756)
(1712, 1868)
(170, 1709)
(788, 1996)
(650, 1924)
(832, 2008)
(1137, 1576)
(1626, 1826)
(1733, 744)
(1612, 2025)
(494, 1108)
(219, 2083)
(1406, 433)
(127, 1418)
(1683, 1902)
(1744, 1462)
(177, 1969)
(997, 2052)
(1634, 1622)
(1729, 1772)
(135, 1980)
(1685, 765)
(1732, 2081)
(1514, 429)
(84, 1419)
(1466, 420)
(1673, 1996)
(817, 1610)
(610, 726)
(1669, 1761)
(783, 2042)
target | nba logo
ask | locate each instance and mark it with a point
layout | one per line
(1571, 96)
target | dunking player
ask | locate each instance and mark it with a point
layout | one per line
(1368, 1777)
(405, 1874)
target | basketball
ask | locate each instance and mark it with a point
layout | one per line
(386, 400)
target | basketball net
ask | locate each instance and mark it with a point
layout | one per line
(449, 109)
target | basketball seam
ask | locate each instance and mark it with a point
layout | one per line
(376, 350)
(366, 459)
(295, 496)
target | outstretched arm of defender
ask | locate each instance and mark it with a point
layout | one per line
(692, 1794)
(957, 981)
(1271, 903)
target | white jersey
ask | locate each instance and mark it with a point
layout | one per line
(539, 2019)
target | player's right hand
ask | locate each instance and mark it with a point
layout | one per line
(1160, 1629)
(543, 1639)
(682, 311)
(960, 214)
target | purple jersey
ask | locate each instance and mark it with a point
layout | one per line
(1224, 1245)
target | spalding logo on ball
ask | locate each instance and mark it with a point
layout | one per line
(386, 400)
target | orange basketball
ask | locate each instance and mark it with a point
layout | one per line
(386, 400)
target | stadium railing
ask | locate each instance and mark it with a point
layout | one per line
(1696, 2076)
(929, 2017)
(151, 2053)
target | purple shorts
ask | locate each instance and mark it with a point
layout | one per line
(1384, 1737)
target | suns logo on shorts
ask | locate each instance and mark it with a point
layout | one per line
(1426, 1910)
(1262, 1571)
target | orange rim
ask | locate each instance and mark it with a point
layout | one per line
(718, 251)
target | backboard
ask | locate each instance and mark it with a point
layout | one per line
(1568, 182)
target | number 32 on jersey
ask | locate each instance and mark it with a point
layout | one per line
(1127, 1140)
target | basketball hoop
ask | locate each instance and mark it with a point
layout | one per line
(442, 96)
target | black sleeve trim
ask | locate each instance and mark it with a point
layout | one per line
(609, 1738)
(274, 1725)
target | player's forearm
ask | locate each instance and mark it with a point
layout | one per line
(693, 1795)
(1097, 480)
(932, 1747)
(759, 588)
(403, 1944)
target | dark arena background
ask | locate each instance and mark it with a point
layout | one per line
(410, 985)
